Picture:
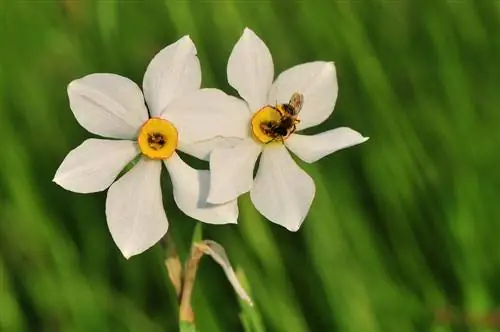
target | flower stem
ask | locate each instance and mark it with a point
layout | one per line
(186, 313)
(173, 264)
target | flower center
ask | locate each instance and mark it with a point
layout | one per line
(157, 138)
(276, 123)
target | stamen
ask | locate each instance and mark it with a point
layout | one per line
(156, 141)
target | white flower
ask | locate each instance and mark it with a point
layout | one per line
(281, 190)
(113, 106)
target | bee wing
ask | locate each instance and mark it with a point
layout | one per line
(296, 101)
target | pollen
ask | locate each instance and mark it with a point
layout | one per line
(272, 124)
(157, 138)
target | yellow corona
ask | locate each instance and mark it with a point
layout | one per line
(157, 138)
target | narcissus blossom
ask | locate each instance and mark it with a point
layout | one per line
(113, 106)
(274, 111)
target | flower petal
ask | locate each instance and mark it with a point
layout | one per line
(108, 105)
(315, 147)
(202, 149)
(174, 71)
(207, 113)
(94, 165)
(190, 188)
(250, 69)
(232, 170)
(282, 191)
(317, 82)
(134, 209)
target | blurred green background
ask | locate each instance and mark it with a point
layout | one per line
(403, 228)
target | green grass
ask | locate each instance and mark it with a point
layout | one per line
(401, 226)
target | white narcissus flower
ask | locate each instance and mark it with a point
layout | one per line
(301, 97)
(113, 106)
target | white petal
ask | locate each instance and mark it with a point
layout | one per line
(317, 81)
(206, 113)
(315, 147)
(250, 69)
(282, 191)
(94, 165)
(174, 71)
(219, 255)
(232, 170)
(108, 105)
(134, 209)
(202, 149)
(191, 190)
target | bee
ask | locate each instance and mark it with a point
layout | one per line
(281, 129)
